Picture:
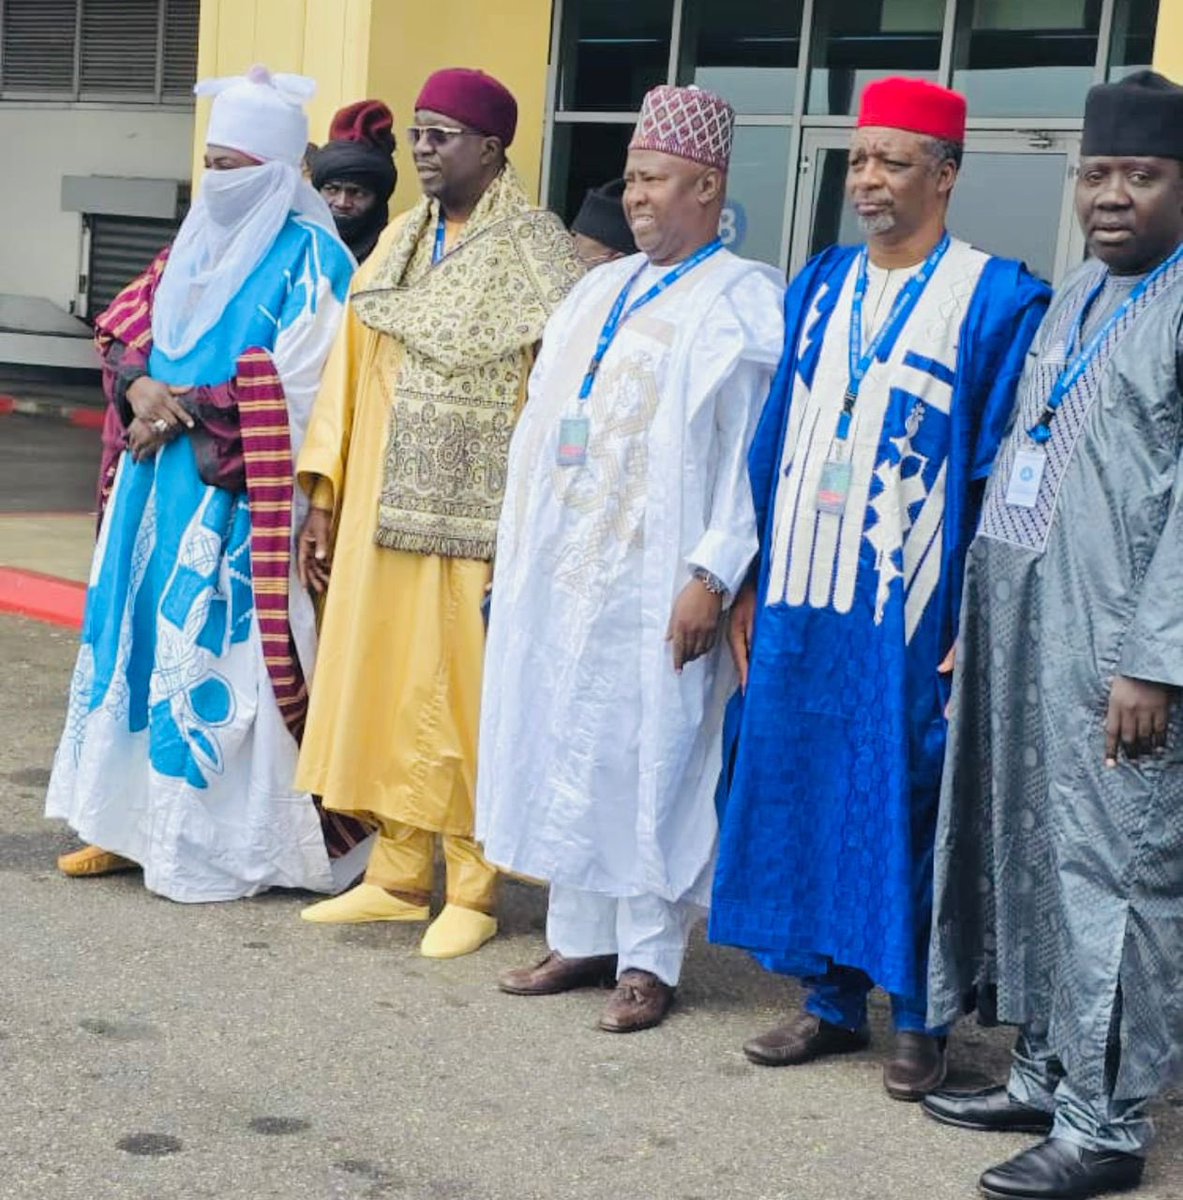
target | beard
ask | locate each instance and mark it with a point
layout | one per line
(883, 222)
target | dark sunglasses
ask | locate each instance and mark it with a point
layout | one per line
(438, 135)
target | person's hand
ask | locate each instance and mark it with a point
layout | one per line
(143, 440)
(946, 668)
(314, 552)
(1137, 718)
(739, 633)
(156, 404)
(694, 624)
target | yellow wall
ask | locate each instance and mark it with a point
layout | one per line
(385, 49)
(1168, 42)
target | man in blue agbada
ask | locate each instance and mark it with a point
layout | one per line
(898, 378)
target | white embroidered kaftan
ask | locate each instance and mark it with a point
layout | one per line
(598, 763)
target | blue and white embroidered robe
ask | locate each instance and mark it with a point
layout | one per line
(826, 850)
(175, 754)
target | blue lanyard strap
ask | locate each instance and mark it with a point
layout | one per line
(860, 359)
(618, 316)
(441, 234)
(1080, 359)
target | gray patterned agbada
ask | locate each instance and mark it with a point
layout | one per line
(1059, 881)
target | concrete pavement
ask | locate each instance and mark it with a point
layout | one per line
(152, 1051)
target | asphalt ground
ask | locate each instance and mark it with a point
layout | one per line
(47, 465)
(154, 1051)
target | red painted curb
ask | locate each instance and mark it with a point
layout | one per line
(42, 597)
(87, 418)
(7, 404)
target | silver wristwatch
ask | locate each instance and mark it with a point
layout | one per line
(711, 582)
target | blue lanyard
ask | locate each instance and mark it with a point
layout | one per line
(441, 233)
(1076, 366)
(618, 315)
(860, 360)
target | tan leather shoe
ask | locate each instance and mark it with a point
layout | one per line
(555, 974)
(640, 1001)
(916, 1067)
(91, 861)
(803, 1039)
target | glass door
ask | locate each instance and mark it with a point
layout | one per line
(1013, 198)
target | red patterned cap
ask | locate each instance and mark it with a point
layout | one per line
(686, 122)
(916, 106)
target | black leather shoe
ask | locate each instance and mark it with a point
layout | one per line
(1060, 1170)
(990, 1110)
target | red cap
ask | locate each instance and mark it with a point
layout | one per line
(915, 105)
(368, 121)
(473, 98)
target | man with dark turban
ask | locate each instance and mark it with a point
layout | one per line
(354, 171)
(1059, 861)
(405, 465)
(600, 229)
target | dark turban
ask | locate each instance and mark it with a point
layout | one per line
(474, 99)
(1140, 117)
(601, 216)
(360, 150)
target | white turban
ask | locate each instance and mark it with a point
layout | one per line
(259, 114)
(237, 214)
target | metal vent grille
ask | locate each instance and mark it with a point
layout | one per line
(119, 40)
(120, 249)
(38, 46)
(179, 72)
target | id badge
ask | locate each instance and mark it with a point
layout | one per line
(1022, 489)
(573, 435)
(834, 487)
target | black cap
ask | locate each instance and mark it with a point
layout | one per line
(1140, 117)
(601, 216)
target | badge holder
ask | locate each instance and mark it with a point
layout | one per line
(573, 438)
(1022, 489)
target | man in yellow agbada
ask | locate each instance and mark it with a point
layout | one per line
(405, 462)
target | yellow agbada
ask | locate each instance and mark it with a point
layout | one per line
(392, 727)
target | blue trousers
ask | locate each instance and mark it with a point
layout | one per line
(840, 998)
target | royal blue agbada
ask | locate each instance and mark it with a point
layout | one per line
(826, 845)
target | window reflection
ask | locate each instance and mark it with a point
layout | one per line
(1004, 203)
(1132, 45)
(585, 156)
(858, 41)
(613, 52)
(1018, 58)
(757, 181)
(746, 50)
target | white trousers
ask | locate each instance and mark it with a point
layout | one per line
(646, 933)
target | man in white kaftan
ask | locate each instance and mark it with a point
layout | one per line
(601, 715)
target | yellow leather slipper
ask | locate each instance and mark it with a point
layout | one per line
(91, 860)
(457, 931)
(364, 903)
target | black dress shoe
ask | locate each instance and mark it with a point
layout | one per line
(917, 1065)
(990, 1110)
(1061, 1170)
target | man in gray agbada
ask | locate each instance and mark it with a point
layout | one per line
(1059, 869)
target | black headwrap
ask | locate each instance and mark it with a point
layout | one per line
(364, 164)
(1140, 117)
(601, 216)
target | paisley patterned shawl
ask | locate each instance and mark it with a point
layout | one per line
(467, 326)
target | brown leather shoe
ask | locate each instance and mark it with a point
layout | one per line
(640, 1001)
(803, 1039)
(916, 1067)
(556, 974)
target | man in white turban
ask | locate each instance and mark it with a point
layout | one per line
(189, 695)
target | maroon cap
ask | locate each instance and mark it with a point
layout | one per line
(368, 121)
(473, 98)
